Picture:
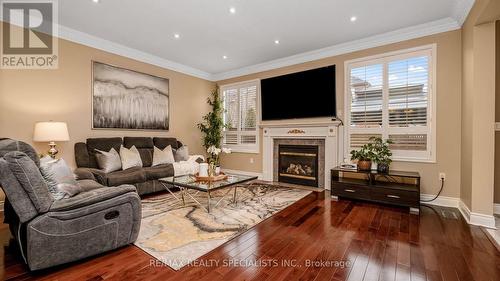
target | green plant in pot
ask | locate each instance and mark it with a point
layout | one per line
(212, 129)
(364, 156)
(382, 153)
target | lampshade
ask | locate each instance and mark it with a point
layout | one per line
(50, 131)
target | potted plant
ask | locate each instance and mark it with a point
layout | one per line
(382, 153)
(364, 157)
(214, 159)
(212, 130)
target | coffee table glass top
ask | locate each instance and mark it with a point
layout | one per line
(189, 181)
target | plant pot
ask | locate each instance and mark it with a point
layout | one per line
(383, 168)
(364, 165)
(374, 166)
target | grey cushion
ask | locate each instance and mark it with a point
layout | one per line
(108, 161)
(87, 185)
(139, 142)
(82, 158)
(19, 199)
(59, 177)
(129, 176)
(181, 154)
(161, 143)
(30, 178)
(158, 172)
(84, 174)
(146, 156)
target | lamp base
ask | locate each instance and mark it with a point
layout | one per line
(53, 150)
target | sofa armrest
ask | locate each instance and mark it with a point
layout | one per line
(91, 174)
(91, 197)
(82, 155)
(84, 174)
(85, 225)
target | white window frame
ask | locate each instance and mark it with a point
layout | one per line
(428, 156)
(245, 148)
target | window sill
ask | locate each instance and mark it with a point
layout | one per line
(414, 160)
(235, 149)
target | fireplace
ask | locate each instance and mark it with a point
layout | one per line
(298, 164)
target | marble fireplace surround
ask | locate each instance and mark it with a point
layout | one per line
(325, 135)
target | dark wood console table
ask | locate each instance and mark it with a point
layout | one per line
(395, 187)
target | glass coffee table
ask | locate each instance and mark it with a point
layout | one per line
(190, 187)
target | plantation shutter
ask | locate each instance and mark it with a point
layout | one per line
(231, 116)
(240, 104)
(366, 96)
(408, 99)
(390, 97)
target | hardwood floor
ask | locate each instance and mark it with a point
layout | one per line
(373, 242)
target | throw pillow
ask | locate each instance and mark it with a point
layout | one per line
(108, 161)
(181, 154)
(59, 177)
(165, 156)
(130, 157)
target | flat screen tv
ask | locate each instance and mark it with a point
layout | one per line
(304, 94)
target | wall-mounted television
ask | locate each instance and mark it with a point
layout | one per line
(304, 94)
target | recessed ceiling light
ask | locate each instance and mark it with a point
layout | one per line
(224, 57)
(95, 1)
(353, 19)
(232, 10)
(177, 36)
(276, 42)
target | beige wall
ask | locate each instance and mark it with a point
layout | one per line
(478, 110)
(27, 96)
(497, 115)
(448, 109)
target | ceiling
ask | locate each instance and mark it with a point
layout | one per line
(306, 29)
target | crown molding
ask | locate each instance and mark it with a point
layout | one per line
(403, 34)
(461, 10)
(86, 39)
(118, 49)
(459, 14)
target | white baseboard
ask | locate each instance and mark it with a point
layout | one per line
(496, 209)
(254, 174)
(476, 218)
(443, 201)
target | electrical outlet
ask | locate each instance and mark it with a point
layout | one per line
(251, 160)
(442, 176)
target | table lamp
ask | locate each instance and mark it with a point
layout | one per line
(51, 132)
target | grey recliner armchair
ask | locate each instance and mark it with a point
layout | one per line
(53, 232)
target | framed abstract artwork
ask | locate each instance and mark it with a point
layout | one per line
(128, 100)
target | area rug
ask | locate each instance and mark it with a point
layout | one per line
(176, 235)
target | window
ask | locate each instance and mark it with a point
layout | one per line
(241, 116)
(392, 96)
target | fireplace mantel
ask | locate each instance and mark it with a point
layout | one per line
(328, 131)
(275, 124)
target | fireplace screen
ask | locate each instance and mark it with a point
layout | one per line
(298, 164)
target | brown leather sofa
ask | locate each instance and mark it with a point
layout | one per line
(145, 178)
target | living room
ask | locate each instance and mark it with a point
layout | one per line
(245, 140)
